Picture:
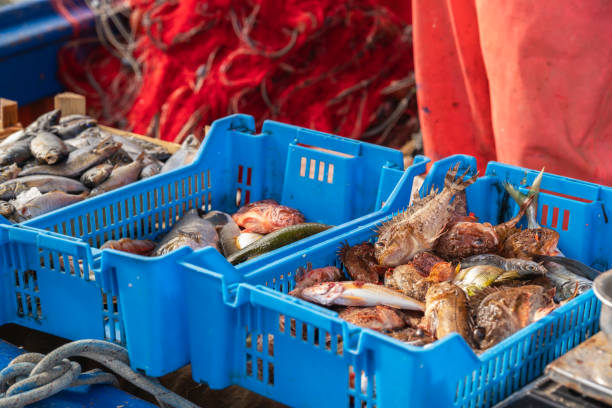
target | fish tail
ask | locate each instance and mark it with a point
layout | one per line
(458, 184)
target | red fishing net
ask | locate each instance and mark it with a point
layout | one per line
(339, 67)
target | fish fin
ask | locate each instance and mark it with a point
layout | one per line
(191, 235)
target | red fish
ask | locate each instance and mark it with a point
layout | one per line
(266, 216)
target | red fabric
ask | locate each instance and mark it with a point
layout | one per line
(339, 57)
(519, 81)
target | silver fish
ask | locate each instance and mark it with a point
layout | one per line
(572, 265)
(89, 137)
(134, 147)
(523, 267)
(69, 119)
(13, 138)
(48, 148)
(6, 209)
(44, 121)
(9, 172)
(78, 161)
(520, 198)
(119, 177)
(191, 230)
(48, 202)
(44, 183)
(72, 129)
(184, 155)
(96, 175)
(17, 152)
(152, 167)
(351, 293)
(566, 283)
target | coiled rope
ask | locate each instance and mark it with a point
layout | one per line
(32, 377)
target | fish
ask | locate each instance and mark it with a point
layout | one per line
(567, 284)
(9, 172)
(48, 148)
(49, 202)
(476, 278)
(17, 152)
(409, 280)
(523, 267)
(311, 277)
(277, 239)
(349, 293)
(184, 155)
(45, 121)
(78, 161)
(134, 147)
(191, 230)
(219, 219)
(504, 311)
(266, 216)
(89, 137)
(119, 177)
(467, 238)
(13, 138)
(418, 228)
(152, 167)
(230, 237)
(379, 318)
(360, 263)
(133, 246)
(424, 261)
(520, 198)
(527, 243)
(572, 265)
(119, 158)
(68, 119)
(96, 175)
(6, 209)
(446, 312)
(72, 129)
(244, 239)
(44, 183)
(412, 336)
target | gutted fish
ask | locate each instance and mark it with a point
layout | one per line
(419, 227)
(359, 294)
(266, 216)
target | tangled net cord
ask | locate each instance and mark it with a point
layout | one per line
(32, 377)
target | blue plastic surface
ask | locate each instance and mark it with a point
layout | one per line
(31, 34)
(94, 396)
(236, 333)
(139, 301)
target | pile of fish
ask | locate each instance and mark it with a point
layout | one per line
(57, 161)
(435, 270)
(255, 229)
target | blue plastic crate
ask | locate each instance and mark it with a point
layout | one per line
(139, 301)
(236, 336)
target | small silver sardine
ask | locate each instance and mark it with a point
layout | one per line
(350, 293)
(48, 148)
(566, 283)
(523, 267)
